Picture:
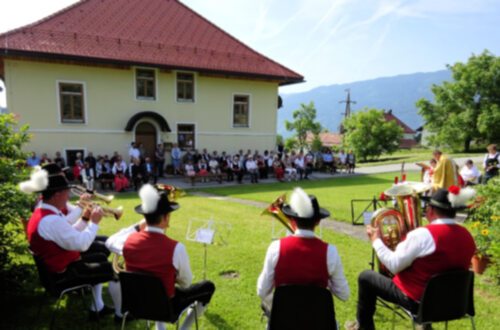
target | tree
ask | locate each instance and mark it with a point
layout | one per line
(370, 135)
(13, 204)
(291, 144)
(304, 122)
(466, 109)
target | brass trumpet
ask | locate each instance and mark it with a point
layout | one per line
(108, 211)
(79, 190)
(274, 209)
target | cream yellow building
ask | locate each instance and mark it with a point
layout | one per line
(84, 83)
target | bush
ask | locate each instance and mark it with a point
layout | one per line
(14, 205)
(484, 223)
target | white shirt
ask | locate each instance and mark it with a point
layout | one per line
(418, 243)
(134, 153)
(470, 174)
(180, 258)
(73, 237)
(251, 165)
(337, 283)
(299, 162)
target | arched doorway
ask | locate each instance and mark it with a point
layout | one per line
(145, 133)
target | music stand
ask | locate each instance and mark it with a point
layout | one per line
(205, 232)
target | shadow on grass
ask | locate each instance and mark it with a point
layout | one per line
(217, 320)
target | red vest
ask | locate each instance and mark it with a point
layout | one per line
(152, 253)
(56, 259)
(302, 261)
(454, 249)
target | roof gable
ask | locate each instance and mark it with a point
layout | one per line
(163, 33)
(390, 116)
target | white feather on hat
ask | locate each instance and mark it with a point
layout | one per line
(301, 204)
(149, 197)
(462, 197)
(39, 180)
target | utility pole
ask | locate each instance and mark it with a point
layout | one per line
(347, 112)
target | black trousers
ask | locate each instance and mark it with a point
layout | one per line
(201, 291)
(372, 285)
(92, 268)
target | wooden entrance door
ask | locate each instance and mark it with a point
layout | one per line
(145, 133)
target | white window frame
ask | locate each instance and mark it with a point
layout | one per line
(249, 110)
(195, 84)
(157, 82)
(195, 132)
(59, 103)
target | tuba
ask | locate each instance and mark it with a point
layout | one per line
(274, 209)
(395, 223)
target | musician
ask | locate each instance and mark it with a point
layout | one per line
(67, 248)
(426, 251)
(152, 251)
(302, 258)
(445, 173)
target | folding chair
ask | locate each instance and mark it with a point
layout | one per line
(144, 297)
(448, 296)
(298, 307)
(58, 287)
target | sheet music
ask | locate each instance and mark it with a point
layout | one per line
(208, 231)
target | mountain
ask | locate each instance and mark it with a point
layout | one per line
(398, 93)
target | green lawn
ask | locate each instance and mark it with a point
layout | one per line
(334, 194)
(412, 156)
(235, 304)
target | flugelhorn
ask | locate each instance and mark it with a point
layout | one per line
(274, 209)
(80, 190)
(173, 192)
(108, 211)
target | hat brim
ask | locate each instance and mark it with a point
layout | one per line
(162, 210)
(69, 186)
(287, 210)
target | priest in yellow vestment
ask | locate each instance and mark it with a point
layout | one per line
(445, 173)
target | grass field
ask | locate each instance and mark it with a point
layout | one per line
(235, 304)
(334, 194)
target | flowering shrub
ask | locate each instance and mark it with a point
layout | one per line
(484, 222)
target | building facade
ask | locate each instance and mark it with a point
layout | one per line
(92, 77)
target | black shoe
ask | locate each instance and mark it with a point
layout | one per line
(119, 319)
(94, 316)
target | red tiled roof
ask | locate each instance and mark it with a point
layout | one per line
(163, 33)
(327, 139)
(406, 129)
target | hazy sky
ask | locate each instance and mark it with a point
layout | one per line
(335, 41)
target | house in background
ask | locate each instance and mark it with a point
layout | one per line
(100, 74)
(408, 140)
(328, 139)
